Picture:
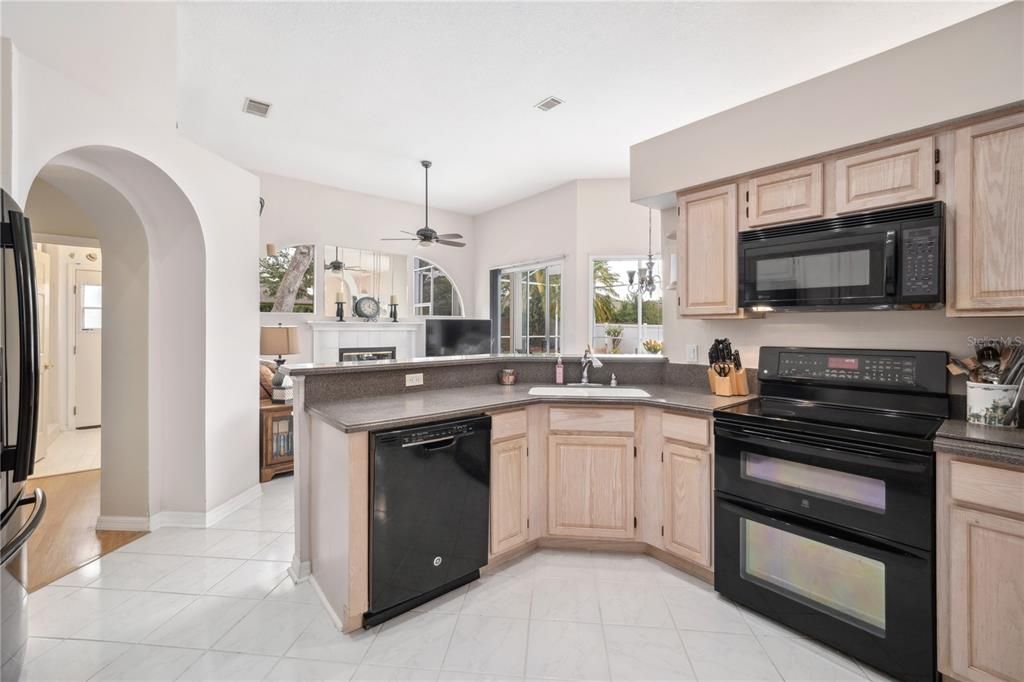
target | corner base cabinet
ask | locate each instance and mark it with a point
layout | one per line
(590, 486)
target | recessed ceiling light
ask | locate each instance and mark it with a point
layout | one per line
(256, 107)
(548, 103)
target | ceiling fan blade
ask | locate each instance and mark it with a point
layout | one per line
(447, 242)
(409, 233)
(449, 236)
(400, 239)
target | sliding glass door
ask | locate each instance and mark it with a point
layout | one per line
(530, 309)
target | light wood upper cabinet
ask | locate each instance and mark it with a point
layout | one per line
(898, 174)
(687, 498)
(989, 227)
(509, 495)
(590, 486)
(986, 592)
(707, 252)
(786, 196)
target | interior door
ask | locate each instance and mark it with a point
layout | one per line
(87, 347)
(45, 362)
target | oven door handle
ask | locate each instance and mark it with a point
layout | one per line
(814, 450)
(808, 528)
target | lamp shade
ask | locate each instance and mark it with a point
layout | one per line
(279, 340)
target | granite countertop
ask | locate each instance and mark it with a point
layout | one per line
(308, 368)
(412, 407)
(974, 440)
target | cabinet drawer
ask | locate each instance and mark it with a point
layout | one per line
(508, 425)
(987, 486)
(686, 429)
(597, 419)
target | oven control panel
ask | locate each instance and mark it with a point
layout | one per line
(891, 370)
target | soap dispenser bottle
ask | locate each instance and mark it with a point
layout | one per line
(559, 371)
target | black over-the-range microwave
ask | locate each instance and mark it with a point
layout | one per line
(885, 259)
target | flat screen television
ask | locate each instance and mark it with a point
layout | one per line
(458, 336)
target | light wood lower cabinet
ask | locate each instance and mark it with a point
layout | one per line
(509, 495)
(980, 538)
(590, 486)
(986, 625)
(687, 500)
(989, 229)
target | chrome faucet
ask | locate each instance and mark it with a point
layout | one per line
(589, 360)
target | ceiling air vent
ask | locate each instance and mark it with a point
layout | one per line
(256, 107)
(548, 103)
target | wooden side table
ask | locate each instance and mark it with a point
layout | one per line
(277, 441)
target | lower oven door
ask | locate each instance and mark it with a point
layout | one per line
(887, 493)
(871, 600)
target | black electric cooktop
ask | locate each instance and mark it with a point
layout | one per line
(852, 424)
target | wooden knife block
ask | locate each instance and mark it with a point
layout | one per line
(733, 384)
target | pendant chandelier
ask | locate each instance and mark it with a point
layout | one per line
(645, 282)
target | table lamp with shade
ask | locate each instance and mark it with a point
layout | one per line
(279, 341)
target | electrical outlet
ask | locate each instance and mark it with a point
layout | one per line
(691, 352)
(414, 379)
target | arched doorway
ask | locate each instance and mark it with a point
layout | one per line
(153, 374)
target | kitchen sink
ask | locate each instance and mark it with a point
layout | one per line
(589, 392)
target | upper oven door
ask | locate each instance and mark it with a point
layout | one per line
(886, 494)
(821, 268)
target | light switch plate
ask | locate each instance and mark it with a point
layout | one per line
(691, 352)
(414, 379)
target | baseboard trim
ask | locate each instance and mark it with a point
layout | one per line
(123, 523)
(299, 570)
(335, 618)
(177, 519)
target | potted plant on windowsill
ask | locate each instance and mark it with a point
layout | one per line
(614, 332)
(653, 346)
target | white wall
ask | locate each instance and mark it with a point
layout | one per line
(299, 212)
(124, 50)
(972, 66)
(199, 211)
(70, 202)
(578, 220)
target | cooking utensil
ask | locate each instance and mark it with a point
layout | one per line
(1011, 414)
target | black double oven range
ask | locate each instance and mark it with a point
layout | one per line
(825, 500)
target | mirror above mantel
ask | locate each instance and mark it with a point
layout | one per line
(419, 287)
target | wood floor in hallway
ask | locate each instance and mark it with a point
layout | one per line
(67, 538)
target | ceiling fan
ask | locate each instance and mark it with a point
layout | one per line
(425, 235)
(337, 266)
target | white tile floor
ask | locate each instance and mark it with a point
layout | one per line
(69, 452)
(216, 604)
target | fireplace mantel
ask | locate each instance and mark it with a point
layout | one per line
(329, 336)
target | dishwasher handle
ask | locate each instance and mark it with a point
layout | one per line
(447, 440)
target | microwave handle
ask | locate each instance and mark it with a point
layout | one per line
(890, 263)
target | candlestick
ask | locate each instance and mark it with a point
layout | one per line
(340, 308)
(394, 311)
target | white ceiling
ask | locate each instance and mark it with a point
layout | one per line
(362, 91)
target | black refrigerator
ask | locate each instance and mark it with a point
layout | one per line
(19, 413)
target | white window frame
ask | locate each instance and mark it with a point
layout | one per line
(515, 309)
(414, 285)
(592, 319)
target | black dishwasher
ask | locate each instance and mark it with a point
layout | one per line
(429, 501)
